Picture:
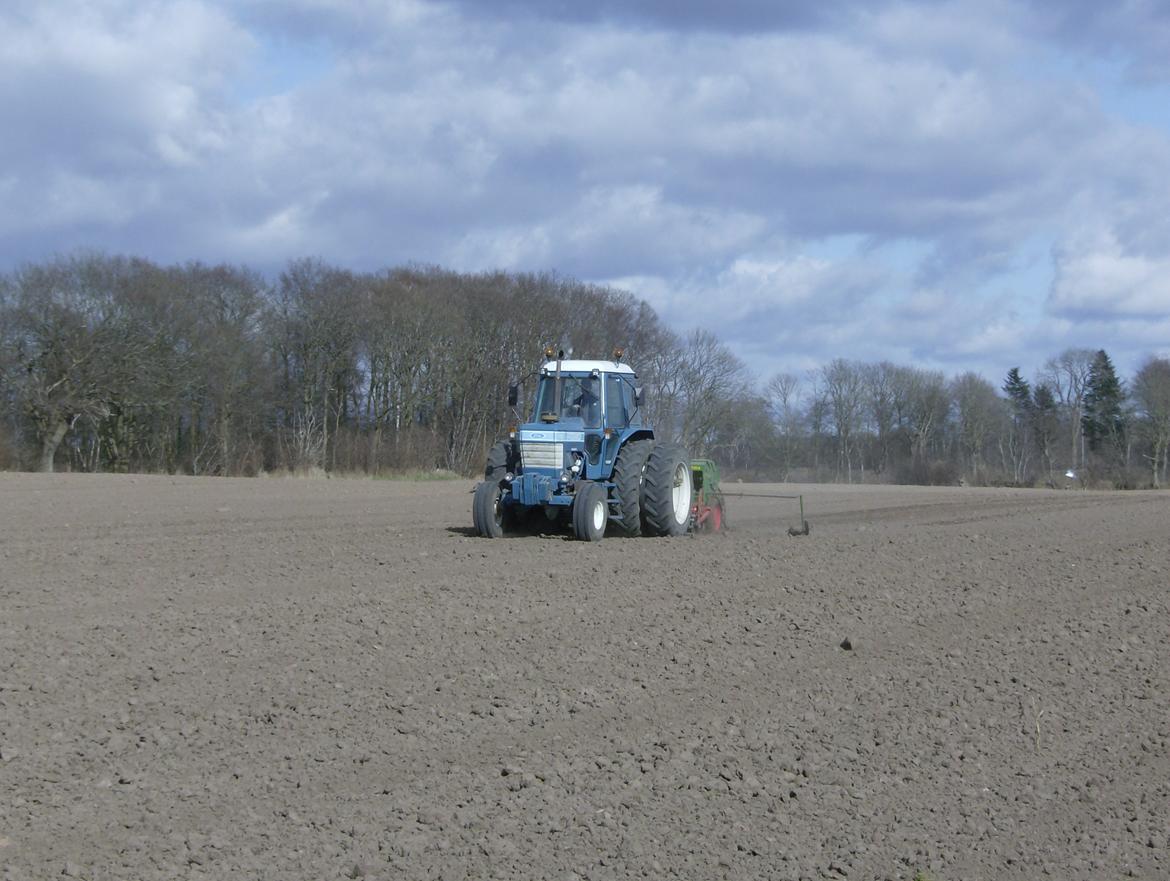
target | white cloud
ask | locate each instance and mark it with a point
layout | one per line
(1097, 277)
(103, 100)
(634, 226)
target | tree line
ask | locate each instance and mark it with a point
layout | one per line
(1076, 422)
(112, 363)
(119, 364)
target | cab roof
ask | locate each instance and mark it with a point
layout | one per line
(587, 367)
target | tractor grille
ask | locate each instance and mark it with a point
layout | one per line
(537, 454)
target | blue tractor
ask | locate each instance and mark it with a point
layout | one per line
(586, 457)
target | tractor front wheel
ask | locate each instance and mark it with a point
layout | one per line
(499, 462)
(666, 491)
(487, 510)
(590, 511)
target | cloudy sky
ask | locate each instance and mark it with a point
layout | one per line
(966, 184)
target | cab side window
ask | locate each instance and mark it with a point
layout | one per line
(616, 410)
(628, 397)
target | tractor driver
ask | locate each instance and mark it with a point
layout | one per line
(587, 404)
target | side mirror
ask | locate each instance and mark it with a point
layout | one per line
(637, 396)
(513, 395)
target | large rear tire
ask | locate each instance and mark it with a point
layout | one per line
(590, 511)
(627, 479)
(487, 510)
(666, 491)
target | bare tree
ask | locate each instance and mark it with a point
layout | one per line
(816, 417)
(229, 388)
(928, 405)
(313, 324)
(979, 412)
(883, 405)
(9, 407)
(662, 369)
(714, 382)
(844, 385)
(1067, 374)
(1046, 427)
(63, 337)
(1151, 392)
(783, 394)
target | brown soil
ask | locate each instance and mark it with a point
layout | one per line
(296, 679)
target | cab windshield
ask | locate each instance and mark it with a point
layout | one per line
(580, 399)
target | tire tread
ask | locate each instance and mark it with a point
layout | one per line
(658, 491)
(627, 478)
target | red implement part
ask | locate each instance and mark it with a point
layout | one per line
(708, 518)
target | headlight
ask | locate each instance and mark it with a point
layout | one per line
(576, 462)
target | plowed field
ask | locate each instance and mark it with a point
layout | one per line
(318, 679)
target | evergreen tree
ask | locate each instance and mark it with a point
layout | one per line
(1104, 407)
(1016, 445)
(1020, 394)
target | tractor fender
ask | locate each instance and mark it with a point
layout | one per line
(632, 434)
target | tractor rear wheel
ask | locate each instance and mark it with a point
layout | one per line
(590, 511)
(627, 479)
(666, 491)
(487, 510)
